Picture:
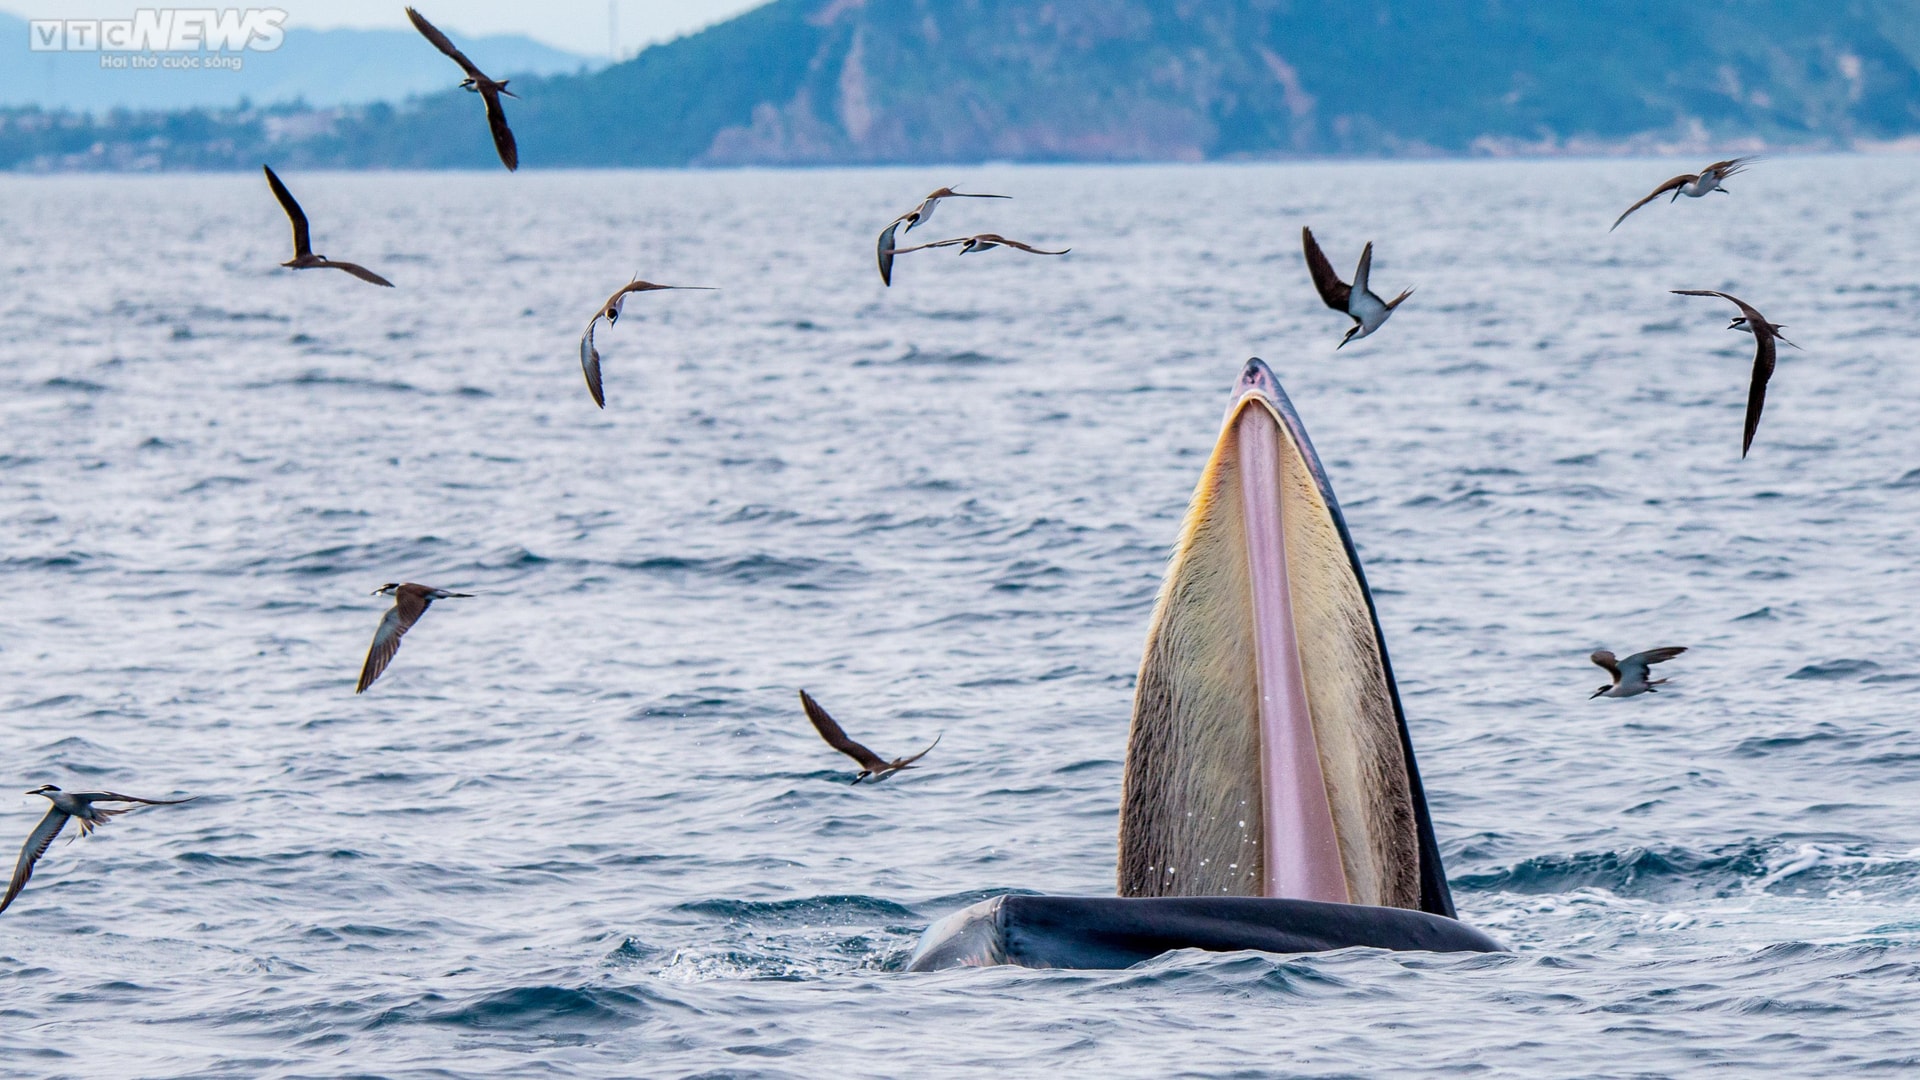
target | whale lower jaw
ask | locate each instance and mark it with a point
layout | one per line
(1117, 932)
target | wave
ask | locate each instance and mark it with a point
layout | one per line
(1676, 872)
(812, 910)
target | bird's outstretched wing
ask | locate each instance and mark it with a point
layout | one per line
(883, 250)
(590, 364)
(502, 134)
(1656, 656)
(836, 738)
(30, 852)
(1654, 194)
(1363, 273)
(440, 41)
(109, 796)
(934, 244)
(1028, 249)
(1763, 358)
(1332, 290)
(358, 271)
(302, 241)
(407, 608)
(1606, 660)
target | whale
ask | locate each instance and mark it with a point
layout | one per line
(1270, 798)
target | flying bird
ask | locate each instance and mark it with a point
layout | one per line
(410, 601)
(968, 245)
(923, 213)
(477, 82)
(1692, 185)
(1358, 301)
(68, 804)
(303, 256)
(871, 764)
(610, 311)
(1764, 335)
(1630, 675)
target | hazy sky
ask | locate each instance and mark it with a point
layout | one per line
(577, 25)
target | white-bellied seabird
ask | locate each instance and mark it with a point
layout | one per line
(1692, 185)
(68, 804)
(610, 311)
(1630, 675)
(871, 764)
(303, 256)
(923, 213)
(477, 81)
(1764, 335)
(410, 601)
(1357, 301)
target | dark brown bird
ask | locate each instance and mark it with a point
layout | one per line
(1356, 301)
(67, 804)
(303, 256)
(410, 601)
(610, 311)
(919, 215)
(1764, 335)
(477, 81)
(871, 764)
(1692, 185)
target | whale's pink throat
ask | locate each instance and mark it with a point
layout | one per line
(1302, 852)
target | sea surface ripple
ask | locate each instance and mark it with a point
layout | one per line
(580, 828)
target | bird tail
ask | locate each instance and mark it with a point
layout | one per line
(88, 825)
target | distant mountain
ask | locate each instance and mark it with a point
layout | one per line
(317, 67)
(832, 81)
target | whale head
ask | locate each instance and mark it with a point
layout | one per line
(1268, 754)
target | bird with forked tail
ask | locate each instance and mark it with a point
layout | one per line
(1356, 301)
(68, 804)
(1764, 335)
(410, 601)
(489, 90)
(610, 311)
(1630, 675)
(871, 764)
(1692, 185)
(303, 256)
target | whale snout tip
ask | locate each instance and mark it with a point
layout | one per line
(1256, 375)
(1256, 381)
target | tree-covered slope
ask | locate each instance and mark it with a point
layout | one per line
(818, 81)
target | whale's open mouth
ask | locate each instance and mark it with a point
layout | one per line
(1268, 754)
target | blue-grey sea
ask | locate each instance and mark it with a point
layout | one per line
(581, 828)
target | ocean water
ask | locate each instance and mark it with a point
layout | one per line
(581, 829)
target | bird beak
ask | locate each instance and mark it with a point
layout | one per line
(1597, 693)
